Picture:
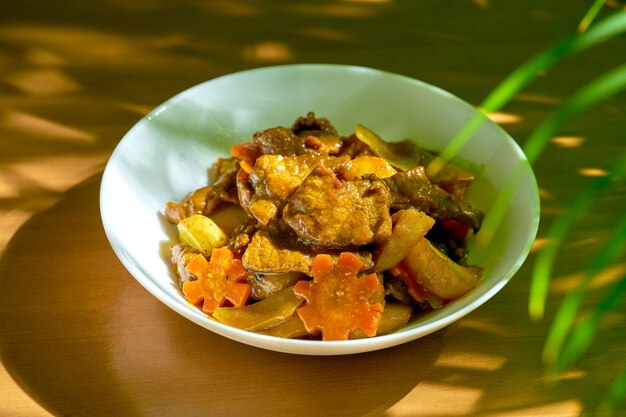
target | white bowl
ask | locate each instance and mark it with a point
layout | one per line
(167, 153)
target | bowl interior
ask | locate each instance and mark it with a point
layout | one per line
(167, 153)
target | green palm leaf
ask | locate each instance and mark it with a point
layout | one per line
(562, 323)
(585, 331)
(525, 74)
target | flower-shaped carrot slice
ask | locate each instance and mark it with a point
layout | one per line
(218, 280)
(339, 302)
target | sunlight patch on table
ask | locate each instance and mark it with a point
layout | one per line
(568, 141)
(606, 277)
(81, 46)
(58, 173)
(485, 326)
(593, 172)
(538, 244)
(268, 51)
(44, 58)
(566, 376)
(471, 361)
(15, 401)
(483, 4)
(44, 128)
(452, 401)
(503, 118)
(140, 109)
(44, 82)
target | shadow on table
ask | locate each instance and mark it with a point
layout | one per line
(82, 337)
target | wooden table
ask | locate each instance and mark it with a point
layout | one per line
(80, 337)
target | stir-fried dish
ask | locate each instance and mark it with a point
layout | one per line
(304, 233)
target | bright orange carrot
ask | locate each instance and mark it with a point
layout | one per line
(339, 302)
(219, 280)
(245, 150)
(414, 289)
(247, 166)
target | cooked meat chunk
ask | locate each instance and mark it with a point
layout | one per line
(451, 178)
(205, 199)
(275, 177)
(241, 236)
(181, 255)
(352, 146)
(372, 198)
(327, 212)
(312, 123)
(244, 191)
(413, 189)
(276, 252)
(269, 253)
(395, 288)
(279, 141)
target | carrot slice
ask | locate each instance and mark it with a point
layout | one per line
(247, 166)
(219, 280)
(245, 150)
(413, 288)
(339, 302)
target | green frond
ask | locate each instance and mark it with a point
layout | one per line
(603, 30)
(584, 332)
(562, 323)
(590, 15)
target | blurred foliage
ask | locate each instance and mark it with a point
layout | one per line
(571, 332)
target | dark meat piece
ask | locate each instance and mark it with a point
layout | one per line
(205, 199)
(413, 189)
(241, 236)
(312, 123)
(181, 255)
(327, 212)
(244, 191)
(451, 178)
(279, 141)
(276, 252)
(353, 147)
(395, 288)
(274, 178)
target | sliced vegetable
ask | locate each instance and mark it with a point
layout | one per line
(399, 154)
(339, 302)
(414, 289)
(438, 273)
(264, 285)
(228, 217)
(364, 165)
(218, 280)
(201, 233)
(407, 155)
(411, 225)
(394, 316)
(267, 313)
(290, 328)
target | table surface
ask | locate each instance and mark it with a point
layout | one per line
(79, 336)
